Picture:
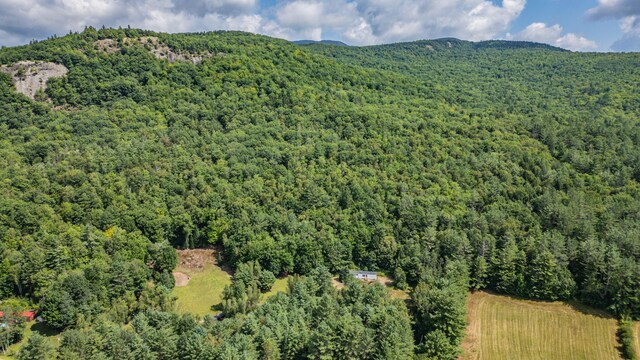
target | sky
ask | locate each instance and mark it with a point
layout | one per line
(579, 25)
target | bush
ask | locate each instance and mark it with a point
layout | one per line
(37, 348)
(266, 280)
(436, 345)
(625, 336)
(12, 333)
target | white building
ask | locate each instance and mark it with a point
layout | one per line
(364, 275)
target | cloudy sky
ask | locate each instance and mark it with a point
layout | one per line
(585, 25)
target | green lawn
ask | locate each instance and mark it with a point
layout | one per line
(30, 329)
(203, 292)
(399, 294)
(506, 328)
(279, 286)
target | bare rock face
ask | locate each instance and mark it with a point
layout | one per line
(158, 49)
(30, 76)
(107, 45)
(162, 51)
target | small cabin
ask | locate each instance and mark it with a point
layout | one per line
(27, 315)
(364, 275)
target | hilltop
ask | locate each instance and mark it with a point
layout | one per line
(320, 42)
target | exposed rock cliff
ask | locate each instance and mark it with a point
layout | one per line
(160, 50)
(30, 76)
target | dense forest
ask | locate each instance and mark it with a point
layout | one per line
(450, 165)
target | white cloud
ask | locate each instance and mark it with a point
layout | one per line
(628, 13)
(630, 40)
(403, 20)
(309, 19)
(9, 39)
(185, 22)
(355, 21)
(233, 7)
(301, 14)
(615, 9)
(553, 35)
(23, 20)
(575, 42)
(382, 21)
(312, 14)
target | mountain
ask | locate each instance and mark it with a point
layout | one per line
(321, 42)
(449, 43)
(446, 164)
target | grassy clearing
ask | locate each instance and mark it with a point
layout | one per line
(203, 293)
(203, 283)
(30, 329)
(394, 292)
(501, 327)
(279, 286)
(399, 294)
(384, 280)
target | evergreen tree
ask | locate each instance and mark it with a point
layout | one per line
(37, 347)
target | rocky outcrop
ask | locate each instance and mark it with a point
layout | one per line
(30, 76)
(158, 49)
(107, 45)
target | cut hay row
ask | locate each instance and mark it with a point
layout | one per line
(636, 333)
(502, 327)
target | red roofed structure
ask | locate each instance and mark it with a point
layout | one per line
(27, 315)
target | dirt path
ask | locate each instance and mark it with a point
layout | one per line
(385, 281)
(181, 278)
(196, 259)
(193, 261)
(337, 284)
(471, 341)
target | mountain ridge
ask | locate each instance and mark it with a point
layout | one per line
(320, 42)
(449, 42)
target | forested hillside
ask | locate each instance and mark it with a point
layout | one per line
(449, 165)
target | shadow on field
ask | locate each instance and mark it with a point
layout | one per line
(587, 310)
(573, 304)
(43, 329)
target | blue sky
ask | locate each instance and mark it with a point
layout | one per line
(572, 16)
(580, 25)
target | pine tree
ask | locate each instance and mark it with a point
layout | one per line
(37, 347)
(480, 273)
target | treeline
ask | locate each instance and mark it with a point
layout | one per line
(84, 272)
(311, 321)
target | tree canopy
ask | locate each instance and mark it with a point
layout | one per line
(516, 162)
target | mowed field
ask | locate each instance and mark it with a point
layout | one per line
(200, 283)
(636, 332)
(281, 285)
(501, 327)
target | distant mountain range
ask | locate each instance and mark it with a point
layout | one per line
(323, 42)
(447, 42)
